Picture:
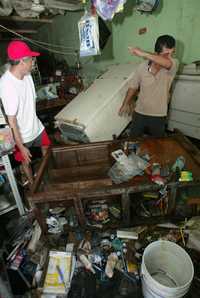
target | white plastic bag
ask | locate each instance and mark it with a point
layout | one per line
(89, 35)
(7, 142)
(126, 167)
(106, 9)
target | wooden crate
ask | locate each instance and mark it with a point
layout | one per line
(71, 174)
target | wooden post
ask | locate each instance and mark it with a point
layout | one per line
(125, 200)
(79, 211)
(172, 199)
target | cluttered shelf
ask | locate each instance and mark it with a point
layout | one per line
(108, 260)
(58, 94)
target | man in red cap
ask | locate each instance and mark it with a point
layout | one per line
(18, 95)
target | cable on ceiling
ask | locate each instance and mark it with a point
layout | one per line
(39, 44)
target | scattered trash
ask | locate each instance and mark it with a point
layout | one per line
(84, 260)
(186, 176)
(114, 252)
(48, 91)
(53, 225)
(179, 164)
(131, 147)
(115, 212)
(71, 217)
(193, 230)
(57, 210)
(110, 265)
(98, 211)
(126, 167)
(155, 169)
(158, 180)
(127, 234)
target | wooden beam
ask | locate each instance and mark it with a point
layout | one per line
(76, 172)
(77, 185)
(29, 20)
(41, 171)
(26, 31)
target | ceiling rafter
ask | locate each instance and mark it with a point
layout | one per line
(28, 20)
(26, 31)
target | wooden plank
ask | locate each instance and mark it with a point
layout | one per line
(125, 200)
(27, 31)
(41, 171)
(79, 185)
(79, 211)
(193, 201)
(84, 155)
(28, 20)
(95, 145)
(75, 173)
(109, 191)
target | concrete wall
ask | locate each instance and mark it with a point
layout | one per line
(179, 18)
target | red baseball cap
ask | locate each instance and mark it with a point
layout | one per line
(18, 49)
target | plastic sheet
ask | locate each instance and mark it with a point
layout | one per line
(121, 172)
(89, 35)
(106, 9)
(6, 141)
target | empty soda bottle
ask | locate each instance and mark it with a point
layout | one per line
(179, 164)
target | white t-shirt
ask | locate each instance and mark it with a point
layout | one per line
(18, 98)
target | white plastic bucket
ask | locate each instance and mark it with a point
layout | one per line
(167, 270)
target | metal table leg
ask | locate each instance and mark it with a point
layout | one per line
(13, 184)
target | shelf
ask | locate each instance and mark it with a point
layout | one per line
(6, 210)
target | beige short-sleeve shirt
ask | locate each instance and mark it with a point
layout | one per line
(153, 95)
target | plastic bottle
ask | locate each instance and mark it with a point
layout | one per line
(86, 263)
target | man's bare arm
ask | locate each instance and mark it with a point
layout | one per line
(162, 60)
(12, 120)
(126, 107)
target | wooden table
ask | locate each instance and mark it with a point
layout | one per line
(79, 172)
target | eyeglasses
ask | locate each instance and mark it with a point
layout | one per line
(27, 59)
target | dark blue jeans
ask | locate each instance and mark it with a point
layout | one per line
(151, 125)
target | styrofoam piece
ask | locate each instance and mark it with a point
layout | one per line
(184, 111)
(188, 130)
(191, 69)
(185, 94)
(127, 234)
